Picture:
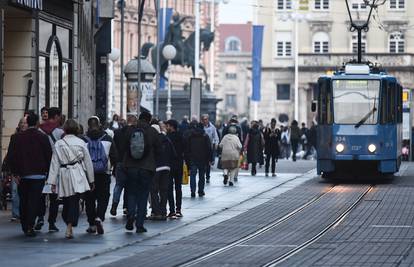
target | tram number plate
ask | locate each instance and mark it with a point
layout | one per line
(355, 148)
(340, 139)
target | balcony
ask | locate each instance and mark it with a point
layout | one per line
(335, 60)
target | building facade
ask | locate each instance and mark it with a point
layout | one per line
(180, 76)
(324, 44)
(48, 58)
(234, 75)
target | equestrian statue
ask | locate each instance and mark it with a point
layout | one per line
(185, 47)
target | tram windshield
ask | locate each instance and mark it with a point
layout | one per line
(356, 101)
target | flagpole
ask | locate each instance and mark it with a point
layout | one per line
(255, 103)
(140, 13)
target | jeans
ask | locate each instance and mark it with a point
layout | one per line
(70, 212)
(53, 208)
(159, 193)
(176, 180)
(98, 199)
(121, 180)
(194, 168)
(30, 193)
(15, 200)
(138, 185)
(267, 165)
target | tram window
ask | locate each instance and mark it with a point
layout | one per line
(400, 105)
(392, 91)
(384, 103)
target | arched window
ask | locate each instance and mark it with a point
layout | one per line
(321, 42)
(233, 44)
(396, 42)
(354, 43)
(55, 67)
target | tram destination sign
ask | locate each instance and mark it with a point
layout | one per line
(31, 4)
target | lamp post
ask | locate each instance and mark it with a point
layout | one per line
(121, 6)
(169, 52)
(197, 38)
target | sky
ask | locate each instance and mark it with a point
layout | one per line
(236, 11)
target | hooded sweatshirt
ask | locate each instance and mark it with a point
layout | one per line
(52, 130)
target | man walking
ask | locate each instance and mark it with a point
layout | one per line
(50, 127)
(211, 132)
(103, 154)
(139, 163)
(29, 157)
(198, 155)
(121, 142)
(176, 172)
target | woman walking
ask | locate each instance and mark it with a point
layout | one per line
(294, 138)
(231, 148)
(72, 164)
(254, 146)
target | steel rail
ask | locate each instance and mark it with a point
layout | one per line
(257, 232)
(320, 234)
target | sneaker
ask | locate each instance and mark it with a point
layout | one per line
(207, 180)
(178, 214)
(201, 194)
(226, 178)
(141, 229)
(172, 215)
(99, 226)
(266, 174)
(192, 195)
(113, 209)
(39, 225)
(274, 175)
(14, 219)
(91, 229)
(230, 184)
(53, 228)
(130, 224)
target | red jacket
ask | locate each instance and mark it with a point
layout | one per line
(29, 153)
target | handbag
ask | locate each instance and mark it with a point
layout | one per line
(185, 179)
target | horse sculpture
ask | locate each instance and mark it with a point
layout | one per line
(184, 56)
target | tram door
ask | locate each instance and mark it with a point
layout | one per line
(1, 79)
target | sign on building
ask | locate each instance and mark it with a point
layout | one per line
(303, 5)
(406, 126)
(32, 4)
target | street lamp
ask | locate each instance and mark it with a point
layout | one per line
(169, 52)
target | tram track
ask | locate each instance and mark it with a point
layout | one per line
(294, 249)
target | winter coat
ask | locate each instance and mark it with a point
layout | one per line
(166, 157)
(178, 142)
(254, 146)
(272, 138)
(152, 148)
(29, 153)
(108, 144)
(72, 163)
(230, 153)
(198, 147)
(294, 133)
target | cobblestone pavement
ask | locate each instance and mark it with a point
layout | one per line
(377, 231)
(220, 204)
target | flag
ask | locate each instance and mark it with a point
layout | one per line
(257, 61)
(141, 10)
(163, 31)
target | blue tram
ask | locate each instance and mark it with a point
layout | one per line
(359, 115)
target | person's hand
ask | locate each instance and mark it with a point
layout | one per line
(53, 188)
(92, 185)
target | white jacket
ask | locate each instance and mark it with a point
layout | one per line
(72, 163)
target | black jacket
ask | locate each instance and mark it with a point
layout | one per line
(198, 148)
(152, 148)
(178, 141)
(271, 138)
(168, 154)
(121, 141)
(254, 146)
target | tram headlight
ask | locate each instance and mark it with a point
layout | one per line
(372, 148)
(340, 148)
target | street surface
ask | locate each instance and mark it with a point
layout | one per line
(294, 219)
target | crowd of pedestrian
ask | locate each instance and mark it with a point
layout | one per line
(54, 162)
